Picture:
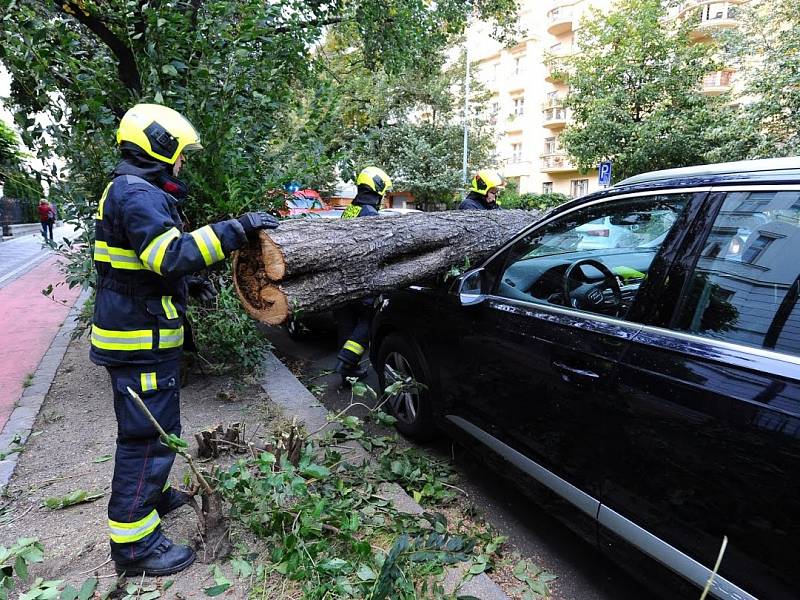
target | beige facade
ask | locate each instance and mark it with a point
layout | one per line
(526, 101)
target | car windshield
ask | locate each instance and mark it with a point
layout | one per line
(303, 203)
(624, 229)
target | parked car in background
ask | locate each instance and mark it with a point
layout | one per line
(647, 390)
(303, 202)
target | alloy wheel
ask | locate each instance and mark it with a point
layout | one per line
(405, 403)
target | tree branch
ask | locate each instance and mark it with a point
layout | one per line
(126, 63)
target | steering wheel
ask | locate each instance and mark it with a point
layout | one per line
(589, 296)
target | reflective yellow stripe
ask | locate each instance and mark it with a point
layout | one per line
(166, 487)
(209, 245)
(102, 202)
(354, 347)
(351, 212)
(119, 258)
(170, 338)
(169, 308)
(110, 339)
(153, 255)
(125, 533)
(148, 381)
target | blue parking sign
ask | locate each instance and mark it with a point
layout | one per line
(604, 173)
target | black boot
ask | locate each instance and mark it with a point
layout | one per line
(349, 370)
(170, 500)
(166, 559)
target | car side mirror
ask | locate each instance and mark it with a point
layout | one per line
(470, 288)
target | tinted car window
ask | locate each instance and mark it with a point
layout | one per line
(745, 286)
(623, 235)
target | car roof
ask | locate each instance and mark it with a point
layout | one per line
(762, 171)
(746, 169)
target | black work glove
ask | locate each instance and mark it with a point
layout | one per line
(201, 289)
(253, 222)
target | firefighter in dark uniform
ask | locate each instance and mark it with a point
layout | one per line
(483, 191)
(143, 259)
(354, 319)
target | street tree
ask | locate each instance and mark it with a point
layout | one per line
(238, 71)
(765, 48)
(634, 91)
(10, 154)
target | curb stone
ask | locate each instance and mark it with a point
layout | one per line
(286, 391)
(21, 421)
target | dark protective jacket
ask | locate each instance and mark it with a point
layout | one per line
(365, 204)
(475, 201)
(142, 257)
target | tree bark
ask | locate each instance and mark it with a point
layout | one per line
(313, 265)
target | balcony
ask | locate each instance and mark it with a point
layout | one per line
(559, 21)
(554, 116)
(717, 83)
(556, 162)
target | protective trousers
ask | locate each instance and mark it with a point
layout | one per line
(142, 462)
(354, 321)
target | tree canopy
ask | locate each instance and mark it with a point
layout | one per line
(10, 155)
(766, 51)
(635, 91)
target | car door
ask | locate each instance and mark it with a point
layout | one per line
(706, 422)
(535, 365)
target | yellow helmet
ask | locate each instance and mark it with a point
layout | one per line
(375, 179)
(486, 179)
(160, 131)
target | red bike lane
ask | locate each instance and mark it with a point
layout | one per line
(28, 323)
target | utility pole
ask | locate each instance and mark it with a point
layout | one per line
(465, 174)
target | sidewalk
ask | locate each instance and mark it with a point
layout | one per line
(19, 255)
(72, 447)
(29, 321)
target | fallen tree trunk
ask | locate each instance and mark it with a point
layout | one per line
(308, 265)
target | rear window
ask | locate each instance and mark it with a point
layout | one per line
(746, 284)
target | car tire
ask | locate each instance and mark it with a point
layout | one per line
(400, 358)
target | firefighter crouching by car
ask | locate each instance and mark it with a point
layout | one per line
(354, 319)
(143, 259)
(483, 191)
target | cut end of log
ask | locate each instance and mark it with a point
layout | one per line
(274, 264)
(262, 299)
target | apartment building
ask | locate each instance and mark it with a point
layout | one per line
(527, 102)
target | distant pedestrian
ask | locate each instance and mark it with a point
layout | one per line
(47, 216)
(483, 191)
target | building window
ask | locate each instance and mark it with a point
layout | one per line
(547, 187)
(516, 152)
(519, 106)
(552, 98)
(579, 187)
(756, 249)
(519, 64)
(550, 145)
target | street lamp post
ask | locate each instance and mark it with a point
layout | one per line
(464, 173)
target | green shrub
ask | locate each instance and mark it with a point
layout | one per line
(228, 340)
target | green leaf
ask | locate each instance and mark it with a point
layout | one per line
(69, 593)
(169, 70)
(87, 589)
(103, 458)
(21, 568)
(216, 590)
(365, 573)
(241, 568)
(71, 499)
(333, 564)
(315, 471)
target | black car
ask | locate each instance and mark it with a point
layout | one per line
(636, 354)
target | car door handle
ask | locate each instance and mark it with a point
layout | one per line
(581, 374)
